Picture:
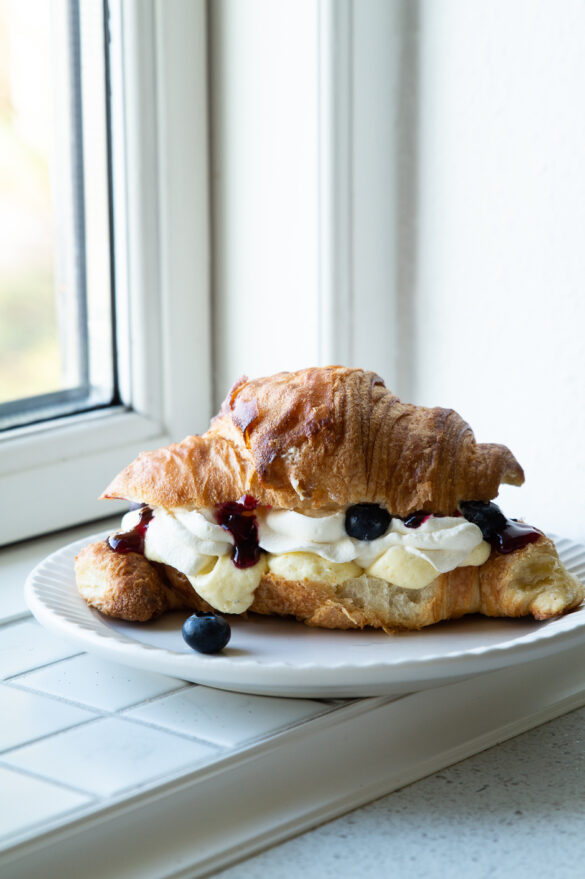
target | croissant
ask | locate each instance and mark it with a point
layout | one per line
(321, 496)
(322, 439)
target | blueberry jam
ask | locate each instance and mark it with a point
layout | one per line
(238, 518)
(366, 521)
(515, 536)
(415, 520)
(505, 535)
(132, 541)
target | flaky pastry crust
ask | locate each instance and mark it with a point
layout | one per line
(322, 439)
(530, 581)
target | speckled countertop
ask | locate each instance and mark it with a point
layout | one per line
(516, 810)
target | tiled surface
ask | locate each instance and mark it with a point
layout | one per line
(27, 801)
(12, 604)
(77, 732)
(26, 645)
(109, 756)
(97, 683)
(227, 718)
(18, 561)
(28, 716)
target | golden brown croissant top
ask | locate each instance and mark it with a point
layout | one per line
(322, 439)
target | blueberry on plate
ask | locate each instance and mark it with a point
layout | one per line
(487, 516)
(206, 632)
(366, 521)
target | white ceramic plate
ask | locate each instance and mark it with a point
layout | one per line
(286, 658)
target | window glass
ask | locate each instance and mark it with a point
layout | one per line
(56, 352)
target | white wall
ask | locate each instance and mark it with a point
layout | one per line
(497, 296)
(465, 212)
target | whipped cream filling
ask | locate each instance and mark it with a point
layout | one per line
(192, 542)
(445, 542)
(188, 540)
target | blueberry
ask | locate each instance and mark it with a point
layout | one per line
(487, 516)
(366, 521)
(206, 632)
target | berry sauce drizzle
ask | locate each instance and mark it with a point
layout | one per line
(504, 535)
(238, 518)
(415, 520)
(515, 535)
(132, 541)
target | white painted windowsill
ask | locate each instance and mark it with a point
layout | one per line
(103, 766)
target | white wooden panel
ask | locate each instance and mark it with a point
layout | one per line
(361, 58)
(264, 173)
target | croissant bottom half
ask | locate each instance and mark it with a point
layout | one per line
(531, 581)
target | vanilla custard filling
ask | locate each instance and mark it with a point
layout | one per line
(305, 547)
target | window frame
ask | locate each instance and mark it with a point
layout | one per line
(353, 310)
(363, 194)
(51, 473)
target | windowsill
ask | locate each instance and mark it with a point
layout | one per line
(17, 560)
(103, 759)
